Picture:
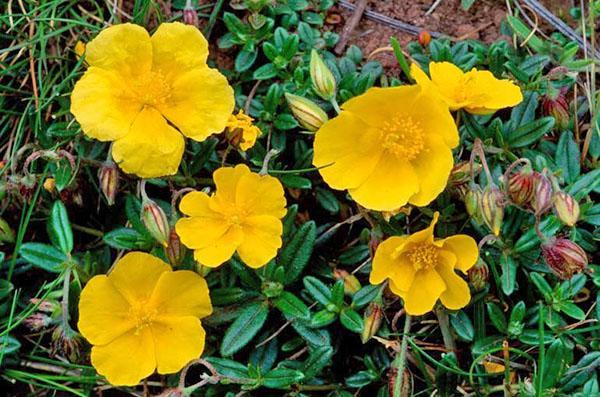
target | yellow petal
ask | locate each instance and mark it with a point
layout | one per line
(181, 293)
(201, 231)
(490, 93)
(396, 290)
(103, 312)
(425, 290)
(123, 48)
(425, 235)
(102, 105)
(135, 275)
(226, 180)
(262, 239)
(388, 263)
(449, 80)
(434, 118)
(260, 195)
(457, 294)
(151, 149)
(220, 250)
(390, 185)
(465, 249)
(126, 360)
(178, 48)
(432, 167)
(178, 341)
(195, 204)
(200, 103)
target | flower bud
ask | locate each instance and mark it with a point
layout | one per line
(174, 251)
(155, 220)
(190, 16)
(308, 113)
(491, 207)
(351, 283)
(322, 78)
(109, 181)
(479, 275)
(50, 185)
(372, 321)
(521, 187)
(68, 343)
(424, 38)
(557, 107)
(6, 233)
(37, 321)
(461, 173)
(566, 208)
(564, 257)
(542, 198)
(472, 199)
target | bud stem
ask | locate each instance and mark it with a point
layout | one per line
(478, 150)
(400, 360)
(335, 105)
(265, 167)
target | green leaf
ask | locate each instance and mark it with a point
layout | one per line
(509, 274)
(318, 290)
(327, 200)
(314, 337)
(317, 360)
(9, 345)
(281, 378)
(322, 318)
(462, 325)
(572, 310)
(525, 33)
(127, 239)
(292, 306)
(567, 156)
(227, 367)
(297, 252)
(401, 58)
(265, 72)
(466, 4)
(245, 59)
(351, 320)
(44, 256)
(226, 296)
(554, 364)
(244, 328)
(295, 181)
(496, 316)
(524, 112)
(531, 132)
(59, 227)
(579, 373)
(515, 323)
(365, 295)
(542, 285)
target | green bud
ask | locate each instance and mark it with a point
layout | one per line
(155, 220)
(308, 113)
(322, 78)
(6, 233)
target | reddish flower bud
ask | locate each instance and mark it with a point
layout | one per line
(424, 38)
(521, 187)
(109, 181)
(155, 220)
(37, 321)
(557, 107)
(174, 251)
(351, 283)
(542, 199)
(373, 316)
(67, 343)
(491, 207)
(190, 16)
(479, 275)
(566, 208)
(564, 257)
(461, 173)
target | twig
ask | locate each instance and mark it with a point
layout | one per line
(400, 360)
(350, 25)
(433, 7)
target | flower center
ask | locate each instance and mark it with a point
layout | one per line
(403, 137)
(152, 88)
(423, 257)
(143, 315)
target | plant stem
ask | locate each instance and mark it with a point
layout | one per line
(65, 301)
(444, 322)
(400, 360)
(335, 105)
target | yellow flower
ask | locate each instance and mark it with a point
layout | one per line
(241, 132)
(421, 269)
(146, 93)
(477, 91)
(243, 215)
(143, 316)
(388, 147)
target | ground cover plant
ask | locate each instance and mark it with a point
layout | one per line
(213, 199)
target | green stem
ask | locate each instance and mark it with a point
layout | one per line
(400, 360)
(65, 301)
(335, 105)
(444, 322)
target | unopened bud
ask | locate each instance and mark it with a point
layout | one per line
(68, 343)
(109, 181)
(6, 233)
(566, 208)
(461, 173)
(351, 283)
(557, 107)
(424, 38)
(50, 185)
(564, 257)
(322, 78)
(472, 199)
(308, 113)
(372, 320)
(190, 16)
(542, 198)
(491, 207)
(521, 187)
(45, 305)
(479, 275)
(155, 220)
(37, 321)
(174, 251)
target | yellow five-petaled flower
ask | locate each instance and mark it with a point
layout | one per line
(388, 147)
(477, 91)
(143, 316)
(244, 215)
(421, 269)
(146, 93)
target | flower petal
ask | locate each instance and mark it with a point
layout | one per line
(260, 195)
(178, 48)
(126, 360)
(465, 249)
(221, 250)
(396, 290)
(449, 81)
(200, 103)
(387, 263)
(195, 204)
(181, 293)
(432, 166)
(226, 180)
(490, 93)
(457, 294)
(151, 149)
(434, 118)
(262, 239)
(425, 235)
(103, 312)
(123, 48)
(390, 185)
(177, 340)
(424, 292)
(201, 231)
(135, 275)
(347, 149)
(102, 105)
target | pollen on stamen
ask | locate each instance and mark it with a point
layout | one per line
(403, 137)
(423, 257)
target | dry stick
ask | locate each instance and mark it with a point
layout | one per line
(350, 26)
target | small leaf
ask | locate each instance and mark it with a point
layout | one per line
(351, 320)
(297, 252)
(554, 364)
(245, 59)
(59, 227)
(292, 306)
(265, 72)
(43, 256)
(317, 360)
(281, 378)
(244, 328)
(462, 325)
(319, 291)
(567, 156)
(365, 295)
(531, 132)
(127, 239)
(496, 316)
(227, 367)
(509, 274)
(322, 318)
